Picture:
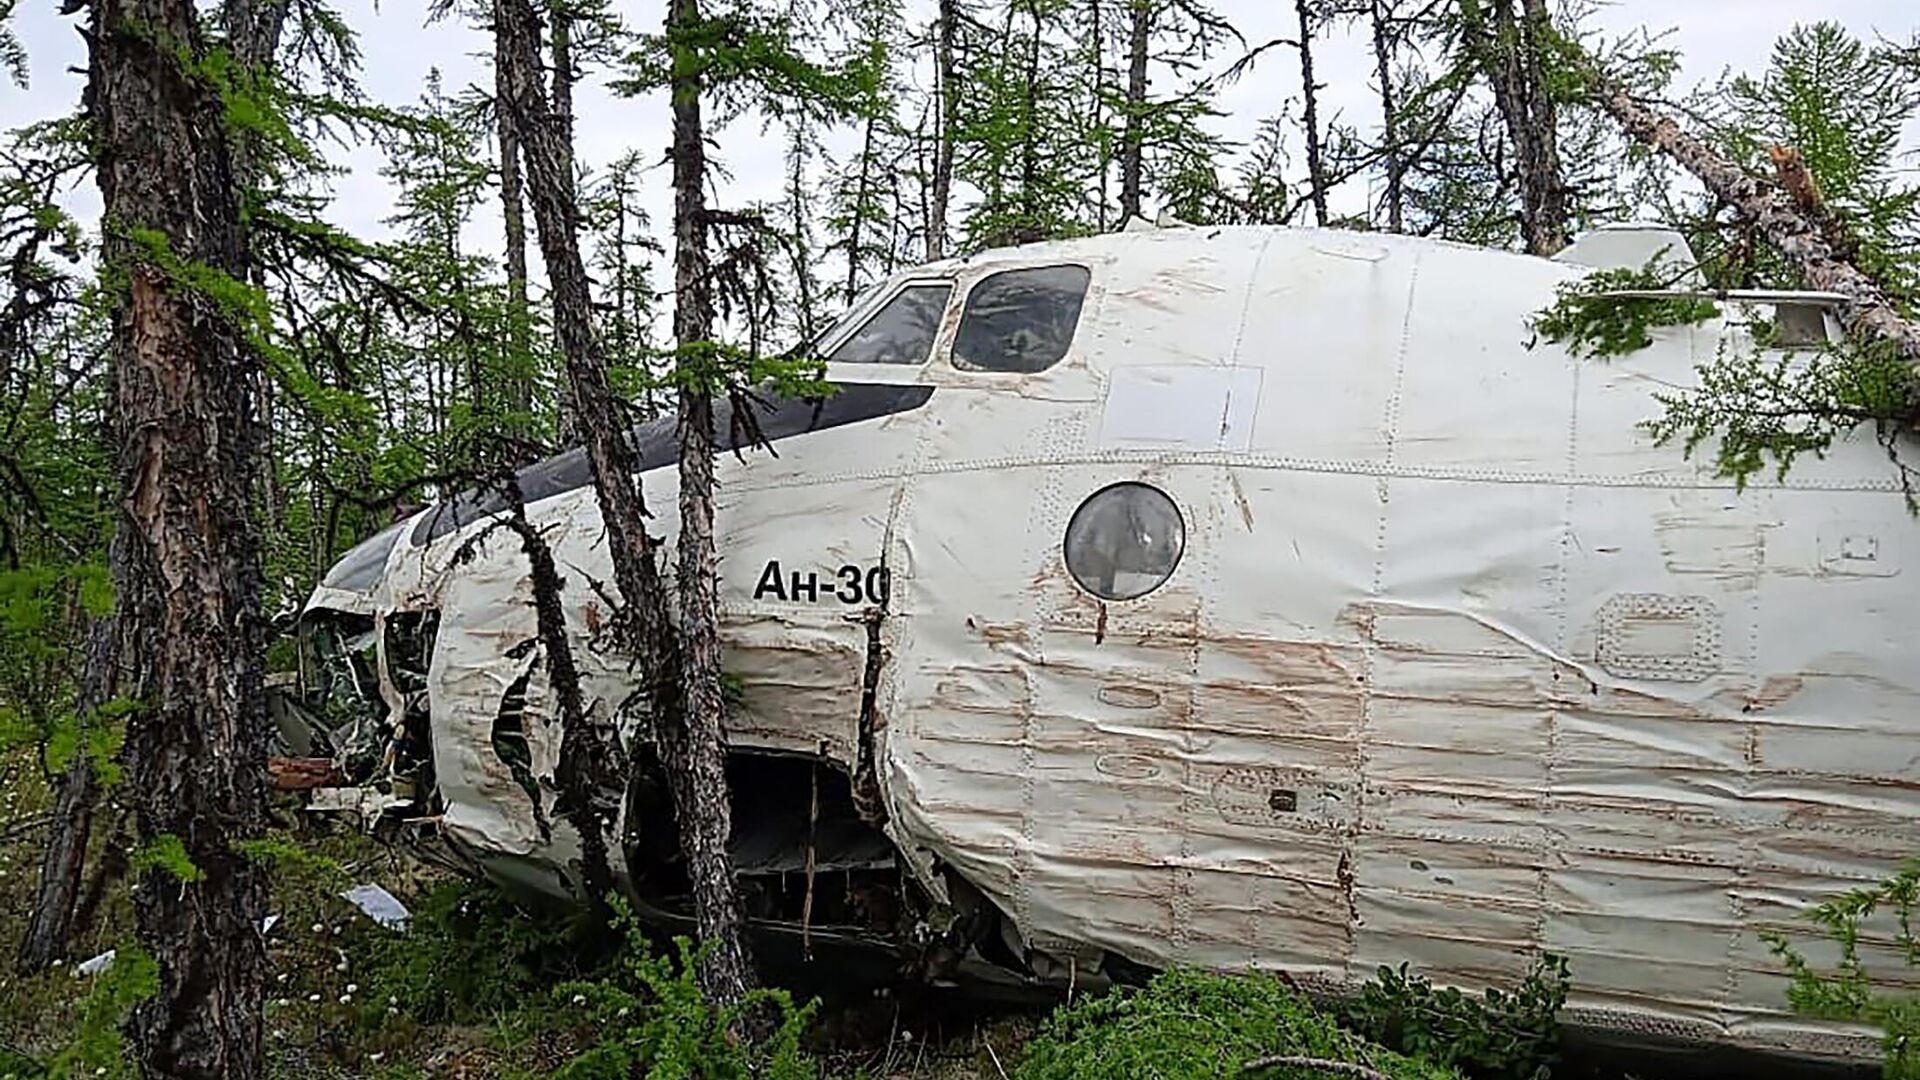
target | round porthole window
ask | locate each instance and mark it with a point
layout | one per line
(1124, 541)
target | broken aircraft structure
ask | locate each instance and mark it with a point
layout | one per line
(1235, 597)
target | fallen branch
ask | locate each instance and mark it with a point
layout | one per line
(1345, 1068)
(1867, 314)
(22, 828)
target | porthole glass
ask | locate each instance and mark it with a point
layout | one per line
(1124, 541)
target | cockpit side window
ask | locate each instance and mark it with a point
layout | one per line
(902, 332)
(1021, 320)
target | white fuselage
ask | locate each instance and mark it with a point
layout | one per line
(1456, 666)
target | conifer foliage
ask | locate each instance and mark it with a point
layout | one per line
(225, 374)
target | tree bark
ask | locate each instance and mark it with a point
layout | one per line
(564, 75)
(1029, 229)
(862, 192)
(689, 745)
(187, 559)
(63, 862)
(590, 787)
(1509, 54)
(605, 430)
(798, 155)
(1310, 91)
(1133, 134)
(1383, 47)
(514, 221)
(942, 181)
(1868, 316)
(697, 762)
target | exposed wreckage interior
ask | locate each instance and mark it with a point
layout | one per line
(816, 874)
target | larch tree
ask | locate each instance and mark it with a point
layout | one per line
(1515, 52)
(513, 223)
(187, 559)
(695, 753)
(1162, 140)
(591, 771)
(1018, 134)
(865, 187)
(735, 57)
(946, 33)
(623, 252)
(52, 546)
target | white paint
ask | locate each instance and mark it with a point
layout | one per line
(1180, 407)
(1458, 666)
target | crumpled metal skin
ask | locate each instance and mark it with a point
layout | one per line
(1457, 666)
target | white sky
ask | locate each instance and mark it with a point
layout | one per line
(399, 49)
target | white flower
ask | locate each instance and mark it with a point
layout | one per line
(282, 977)
(319, 928)
(341, 966)
(353, 988)
(346, 999)
(315, 998)
(376, 1055)
(579, 999)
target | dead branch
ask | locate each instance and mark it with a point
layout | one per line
(1293, 1061)
(1868, 315)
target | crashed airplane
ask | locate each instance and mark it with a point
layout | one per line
(1247, 597)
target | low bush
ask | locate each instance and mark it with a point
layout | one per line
(1187, 1025)
(647, 1016)
(472, 953)
(1500, 1035)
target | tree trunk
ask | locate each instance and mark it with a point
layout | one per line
(187, 567)
(698, 767)
(590, 789)
(690, 746)
(63, 863)
(513, 218)
(1509, 53)
(1029, 229)
(942, 181)
(1133, 135)
(605, 430)
(1868, 316)
(561, 44)
(1383, 47)
(798, 154)
(862, 193)
(1316, 162)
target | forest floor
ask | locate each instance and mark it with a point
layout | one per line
(462, 994)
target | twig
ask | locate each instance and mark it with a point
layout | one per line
(997, 1067)
(1346, 1068)
(22, 828)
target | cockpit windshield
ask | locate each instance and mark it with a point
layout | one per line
(849, 318)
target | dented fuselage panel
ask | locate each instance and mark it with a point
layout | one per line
(1435, 657)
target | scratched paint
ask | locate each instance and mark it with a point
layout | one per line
(1456, 666)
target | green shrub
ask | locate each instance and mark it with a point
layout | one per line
(1186, 1025)
(470, 952)
(1849, 992)
(649, 1017)
(1503, 1035)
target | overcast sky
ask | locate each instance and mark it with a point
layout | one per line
(399, 50)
